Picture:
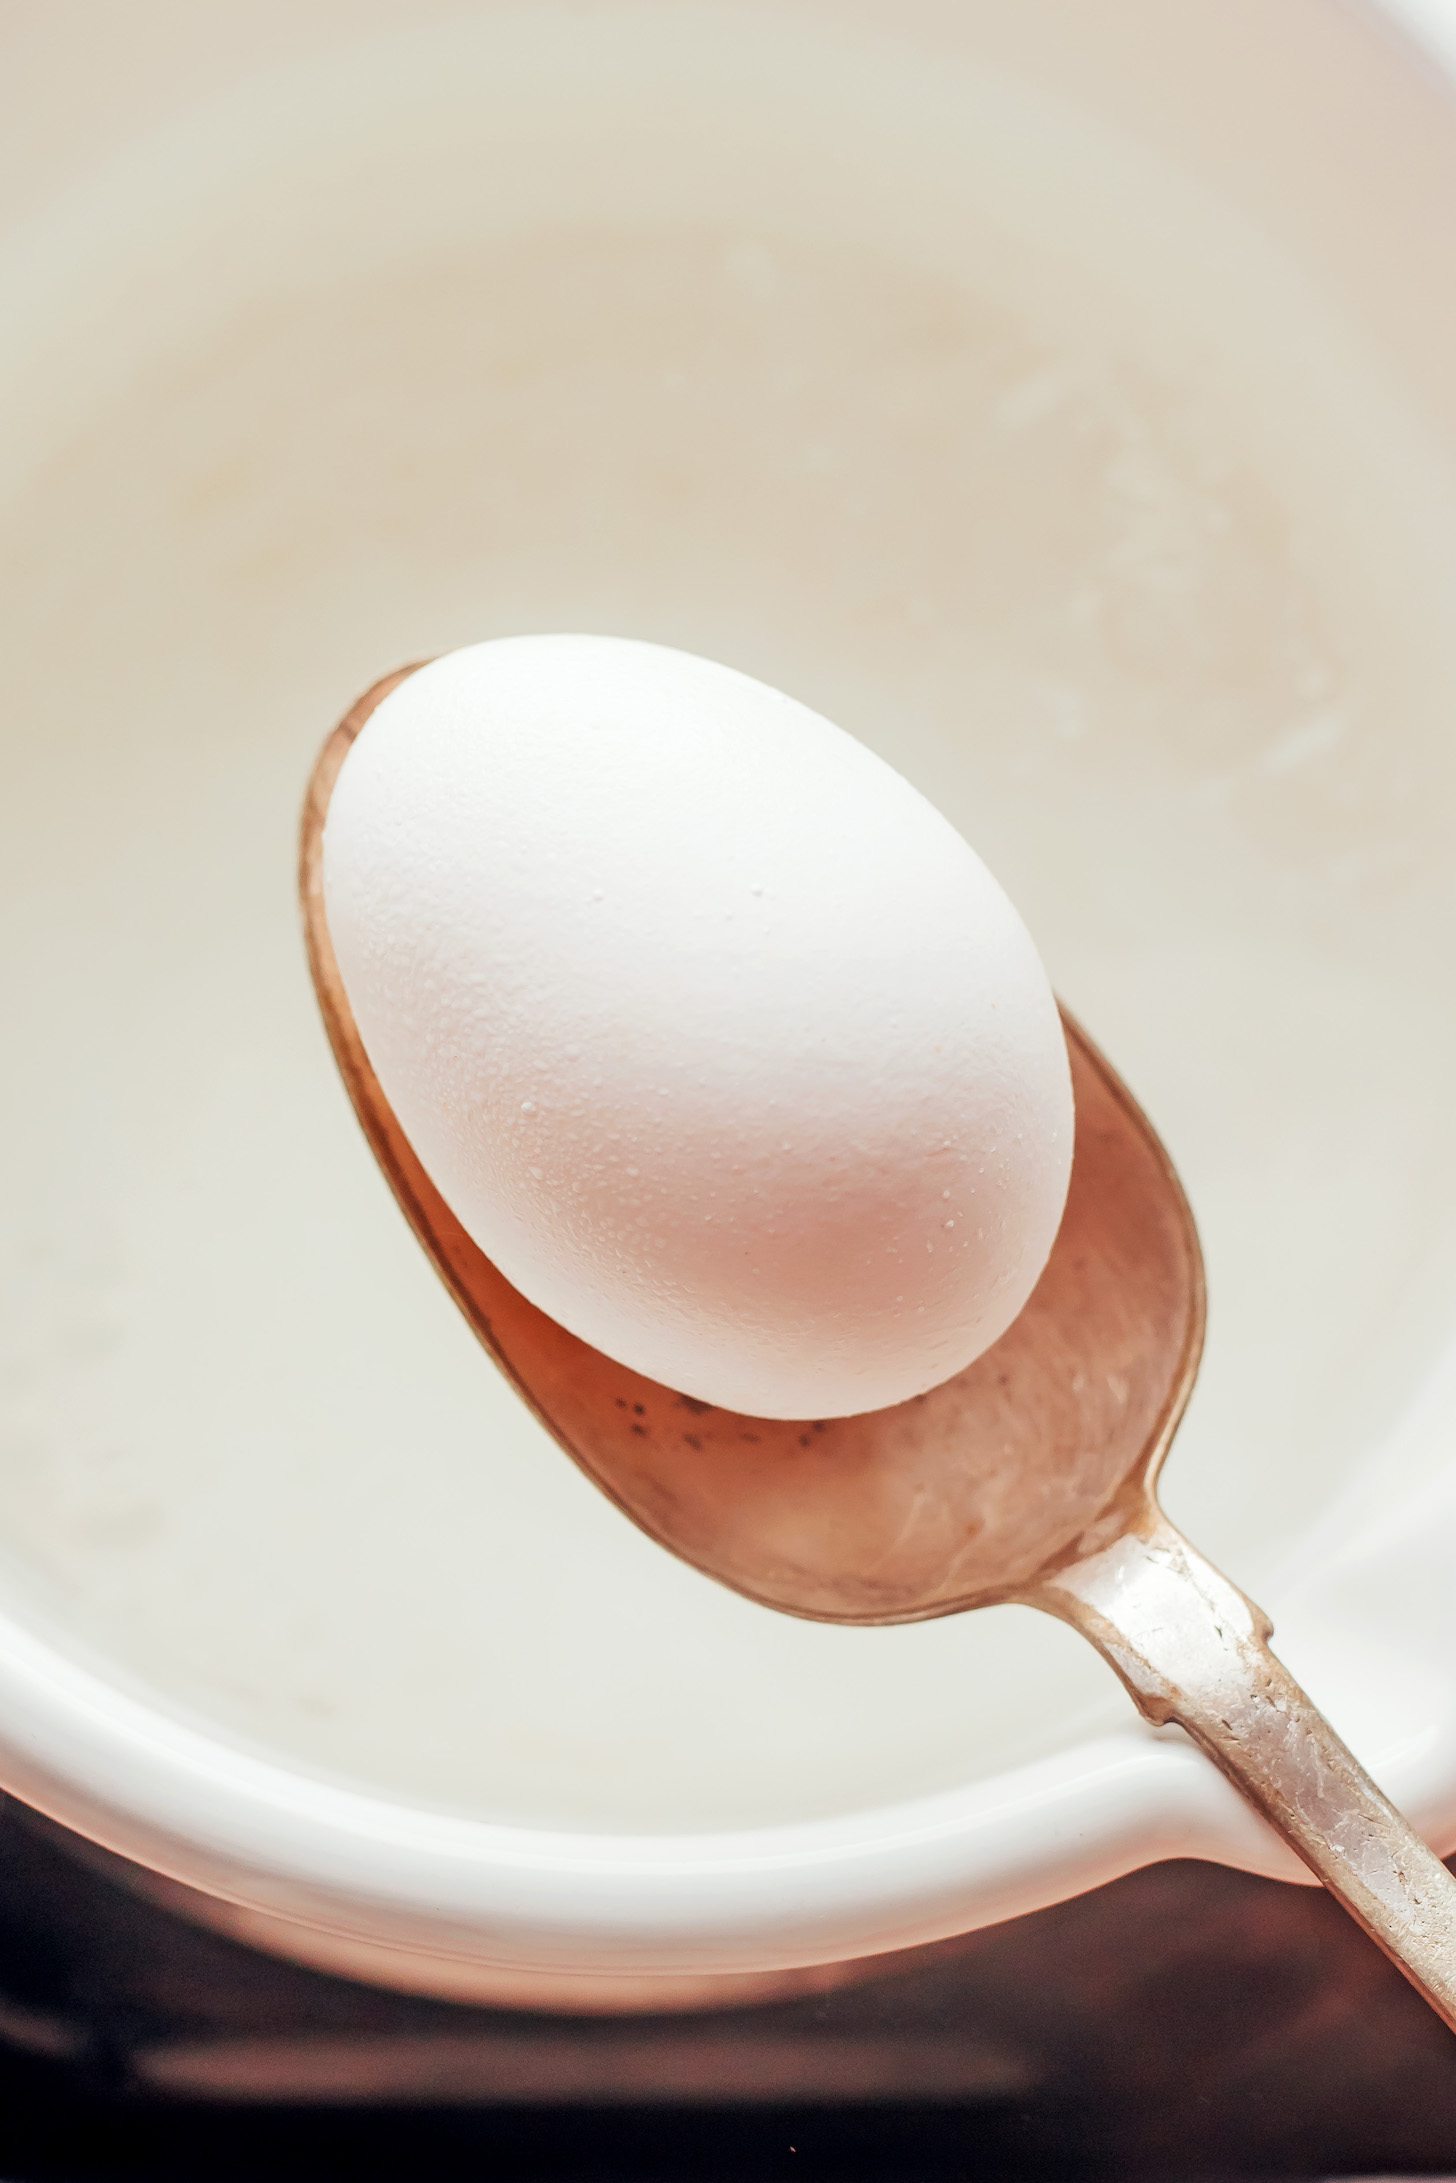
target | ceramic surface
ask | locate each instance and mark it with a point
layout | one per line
(857, 346)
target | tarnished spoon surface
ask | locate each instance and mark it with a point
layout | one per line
(1029, 1476)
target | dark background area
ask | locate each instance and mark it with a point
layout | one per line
(1186, 2021)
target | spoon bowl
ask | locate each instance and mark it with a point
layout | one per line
(1029, 1476)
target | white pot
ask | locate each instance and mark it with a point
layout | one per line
(1060, 396)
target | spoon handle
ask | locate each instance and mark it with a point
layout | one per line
(1191, 1648)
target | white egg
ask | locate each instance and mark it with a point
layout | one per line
(712, 1032)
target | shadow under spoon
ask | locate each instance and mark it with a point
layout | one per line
(1028, 1477)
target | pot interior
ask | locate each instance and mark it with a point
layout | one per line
(954, 408)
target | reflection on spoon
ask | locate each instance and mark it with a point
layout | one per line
(1028, 1477)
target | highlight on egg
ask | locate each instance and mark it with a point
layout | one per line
(714, 1034)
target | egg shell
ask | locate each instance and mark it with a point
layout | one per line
(714, 1034)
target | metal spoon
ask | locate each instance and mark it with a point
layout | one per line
(1028, 1477)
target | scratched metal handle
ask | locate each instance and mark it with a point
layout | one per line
(1191, 1648)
